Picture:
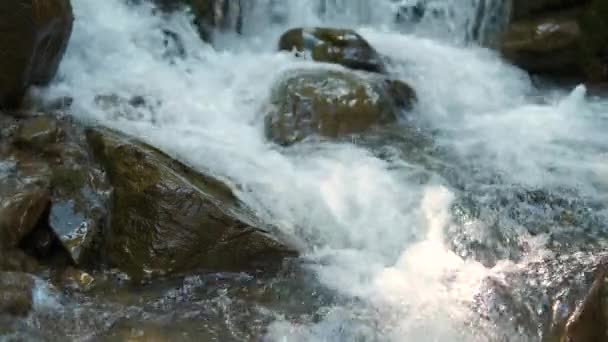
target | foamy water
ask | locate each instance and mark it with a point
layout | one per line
(371, 233)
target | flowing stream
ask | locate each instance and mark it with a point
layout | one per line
(401, 232)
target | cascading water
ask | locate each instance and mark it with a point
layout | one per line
(392, 251)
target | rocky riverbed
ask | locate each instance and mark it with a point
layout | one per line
(330, 170)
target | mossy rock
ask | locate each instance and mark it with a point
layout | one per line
(168, 219)
(333, 104)
(338, 46)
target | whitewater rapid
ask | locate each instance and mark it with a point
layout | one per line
(372, 230)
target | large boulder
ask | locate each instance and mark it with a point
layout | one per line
(559, 38)
(168, 219)
(338, 46)
(33, 36)
(333, 104)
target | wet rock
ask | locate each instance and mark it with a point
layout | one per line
(39, 132)
(34, 36)
(209, 15)
(555, 299)
(21, 208)
(544, 46)
(79, 208)
(51, 162)
(132, 332)
(559, 38)
(333, 104)
(75, 279)
(15, 293)
(589, 323)
(168, 219)
(337, 46)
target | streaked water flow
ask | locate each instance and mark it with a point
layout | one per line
(383, 234)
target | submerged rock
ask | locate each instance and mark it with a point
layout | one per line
(337, 46)
(333, 104)
(560, 38)
(589, 323)
(168, 219)
(34, 36)
(15, 293)
(556, 299)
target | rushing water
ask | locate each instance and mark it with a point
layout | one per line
(398, 244)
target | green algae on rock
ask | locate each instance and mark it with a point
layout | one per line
(168, 219)
(333, 104)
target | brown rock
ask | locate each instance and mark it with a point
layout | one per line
(589, 323)
(333, 104)
(559, 38)
(168, 219)
(33, 36)
(337, 46)
(21, 208)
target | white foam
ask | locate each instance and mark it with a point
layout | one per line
(372, 233)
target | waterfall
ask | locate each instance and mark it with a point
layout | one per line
(478, 21)
(392, 249)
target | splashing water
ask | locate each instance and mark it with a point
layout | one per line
(375, 234)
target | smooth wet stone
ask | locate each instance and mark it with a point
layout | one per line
(559, 38)
(589, 323)
(337, 46)
(544, 46)
(38, 132)
(333, 104)
(168, 219)
(21, 208)
(33, 36)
